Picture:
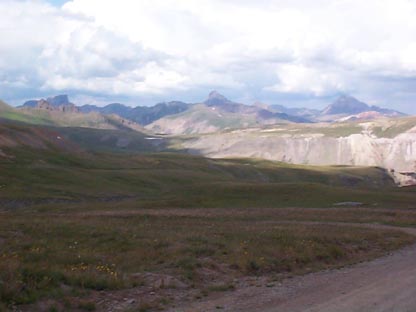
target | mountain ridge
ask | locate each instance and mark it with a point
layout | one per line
(346, 104)
(217, 108)
(56, 103)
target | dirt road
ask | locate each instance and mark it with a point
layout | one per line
(385, 284)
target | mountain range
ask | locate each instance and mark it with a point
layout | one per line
(143, 115)
(220, 128)
(216, 113)
(59, 111)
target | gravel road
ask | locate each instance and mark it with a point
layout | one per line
(384, 284)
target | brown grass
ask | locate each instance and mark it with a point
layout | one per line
(70, 256)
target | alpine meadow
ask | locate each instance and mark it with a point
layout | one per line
(207, 156)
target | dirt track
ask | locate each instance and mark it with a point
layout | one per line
(385, 284)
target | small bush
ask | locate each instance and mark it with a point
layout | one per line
(253, 266)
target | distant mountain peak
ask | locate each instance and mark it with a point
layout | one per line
(54, 103)
(216, 95)
(345, 104)
(58, 100)
(216, 98)
(348, 105)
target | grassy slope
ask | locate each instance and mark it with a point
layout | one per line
(393, 127)
(10, 113)
(75, 222)
(113, 140)
(201, 119)
(330, 130)
(382, 128)
(67, 257)
(176, 180)
(56, 167)
(44, 117)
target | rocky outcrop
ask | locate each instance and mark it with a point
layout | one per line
(397, 154)
(59, 100)
(58, 103)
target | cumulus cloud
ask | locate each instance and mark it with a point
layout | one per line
(47, 49)
(277, 50)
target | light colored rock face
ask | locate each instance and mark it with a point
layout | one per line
(181, 126)
(361, 149)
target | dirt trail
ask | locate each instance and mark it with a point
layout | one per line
(384, 284)
(231, 212)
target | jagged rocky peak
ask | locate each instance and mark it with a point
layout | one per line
(54, 103)
(44, 104)
(58, 100)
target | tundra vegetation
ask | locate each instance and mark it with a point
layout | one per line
(116, 219)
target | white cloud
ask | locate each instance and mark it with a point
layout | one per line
(167, 47)
(296, 78)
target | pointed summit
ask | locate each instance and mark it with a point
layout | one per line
(215, 94)
(215, 98)
(346, 104)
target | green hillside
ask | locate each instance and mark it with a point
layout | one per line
(79, 164)
(45, 117)
(87, 212)
(10, 113)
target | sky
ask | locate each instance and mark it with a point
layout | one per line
(140, 52)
